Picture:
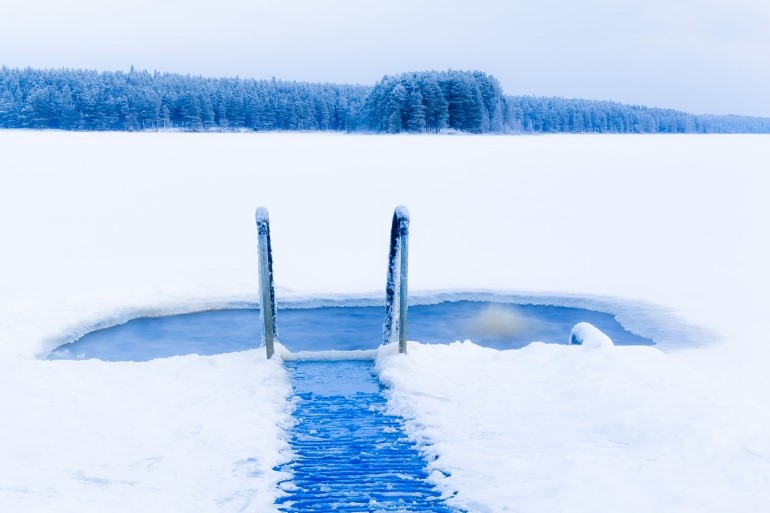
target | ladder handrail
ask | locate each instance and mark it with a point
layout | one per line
(266, 287)
(398, 272)
(396, 299)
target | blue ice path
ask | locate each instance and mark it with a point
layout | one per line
(350, 455)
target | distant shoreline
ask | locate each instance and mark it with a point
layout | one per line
(417, 102)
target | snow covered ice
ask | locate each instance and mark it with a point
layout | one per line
(99, 228)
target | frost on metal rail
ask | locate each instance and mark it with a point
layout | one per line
(266, 287)
(396, 287)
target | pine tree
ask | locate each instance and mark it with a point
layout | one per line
(436, 112)
(7, 110)
(67, 112)
(416, 122)
(165, 117)
(396, 104)
(36, 112)
(457, 97)
(207, 112)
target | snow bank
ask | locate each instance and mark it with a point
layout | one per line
(184, 434)
(556, 428)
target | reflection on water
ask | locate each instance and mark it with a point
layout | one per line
(497, 325)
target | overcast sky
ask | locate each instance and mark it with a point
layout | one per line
(701, 56)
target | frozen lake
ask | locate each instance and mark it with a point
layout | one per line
(102, 228)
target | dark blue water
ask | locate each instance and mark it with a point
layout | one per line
(496, 325)
(350, 455)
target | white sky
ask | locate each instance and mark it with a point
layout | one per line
(696, 55)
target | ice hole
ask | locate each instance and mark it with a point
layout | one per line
(490, 324)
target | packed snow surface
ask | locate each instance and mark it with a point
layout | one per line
(577, 428)
(187, 434)
(669, 233)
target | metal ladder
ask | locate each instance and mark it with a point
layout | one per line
(396, 301)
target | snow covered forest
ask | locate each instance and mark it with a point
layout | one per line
(427, 101)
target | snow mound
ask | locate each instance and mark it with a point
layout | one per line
(586, 334)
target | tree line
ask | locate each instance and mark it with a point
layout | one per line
(427, 101)
(554, 115)
(139, 100)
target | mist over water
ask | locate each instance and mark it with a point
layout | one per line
(497, 321)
